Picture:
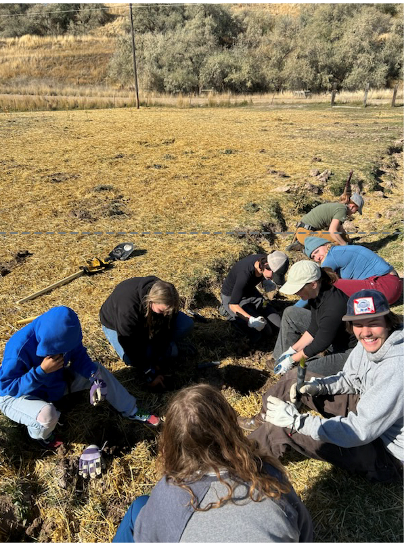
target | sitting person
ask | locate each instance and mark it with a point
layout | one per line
(142, 322)
(241, 300)
(357, 266)
(326, 221)
(362, 430)
(46, 360)
(215, 486)
(309, 332)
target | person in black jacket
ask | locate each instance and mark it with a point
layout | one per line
(243, 304)
(142, 321)
(316, 334)
(310, 332)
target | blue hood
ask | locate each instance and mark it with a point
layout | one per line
(57, 331)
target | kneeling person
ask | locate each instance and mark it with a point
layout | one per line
(46, 360)
(243, 302)
(142, 321)
(366, 434)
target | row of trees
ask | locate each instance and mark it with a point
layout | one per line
(185, 48)
(51, 19)
(188, 47)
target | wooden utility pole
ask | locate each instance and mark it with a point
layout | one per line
(393, 101)
(333, 93)
(134, 56)
(365, 98)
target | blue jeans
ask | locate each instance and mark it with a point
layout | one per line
(125, 530)
(25, 409)
(182, 326)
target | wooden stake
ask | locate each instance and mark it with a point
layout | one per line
(50, 287)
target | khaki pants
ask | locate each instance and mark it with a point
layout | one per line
(301, 235)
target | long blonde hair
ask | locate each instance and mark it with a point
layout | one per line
(161, 292)
(201, 435)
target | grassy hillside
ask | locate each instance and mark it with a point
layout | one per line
(183, 185)
(67, 60)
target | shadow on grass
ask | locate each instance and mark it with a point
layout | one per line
(379, 244)
(348, 508)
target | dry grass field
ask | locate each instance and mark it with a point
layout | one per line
(194, 189)
(47, 73)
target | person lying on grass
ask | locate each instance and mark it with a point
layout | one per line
(326, 221)
(357, 267)
(216, 485)
(243, 303)
(46, 360)
(142, 322)
(316, 333)
(362, 429)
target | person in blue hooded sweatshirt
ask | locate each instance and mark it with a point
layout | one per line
(46, 360)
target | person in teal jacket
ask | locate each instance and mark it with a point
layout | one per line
(46, 360)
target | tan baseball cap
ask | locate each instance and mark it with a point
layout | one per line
(300, 273)
(279, 263)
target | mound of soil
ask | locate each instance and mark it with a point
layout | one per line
(18, 258)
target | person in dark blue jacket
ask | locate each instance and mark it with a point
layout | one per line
(46, 360)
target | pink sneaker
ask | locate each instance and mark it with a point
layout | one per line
(50, 443)
(145, 417)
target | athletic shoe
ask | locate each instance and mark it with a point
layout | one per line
(50, 443)
(146, 418)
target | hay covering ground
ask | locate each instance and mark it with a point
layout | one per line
(175, 171)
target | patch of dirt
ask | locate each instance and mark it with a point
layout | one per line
(18, 258)
(100, 207)
(10, 527)
(48, 527)
(16, 512)
(102, 187)
(59, 177)
(82, 214)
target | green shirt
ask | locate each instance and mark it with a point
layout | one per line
(321, 216)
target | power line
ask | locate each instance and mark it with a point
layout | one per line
(26, 14)
(138, 6)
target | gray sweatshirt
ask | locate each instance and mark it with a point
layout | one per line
(378, 378)
(244, 520)
(168, 516)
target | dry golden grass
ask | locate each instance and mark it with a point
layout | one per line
(71, 59)
(71, 72)
(172, 171)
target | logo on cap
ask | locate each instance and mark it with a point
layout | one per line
(364, 306)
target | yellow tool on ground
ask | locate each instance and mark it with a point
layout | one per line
(120, 253)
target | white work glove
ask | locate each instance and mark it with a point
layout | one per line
(285, 354)
(285, 365)
(313, 387)
(257, 323)
(282, 414)
(285, 361)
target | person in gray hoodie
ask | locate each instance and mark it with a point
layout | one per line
(362, 428)
(216, 486)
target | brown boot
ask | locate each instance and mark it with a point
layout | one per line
(250, 423)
